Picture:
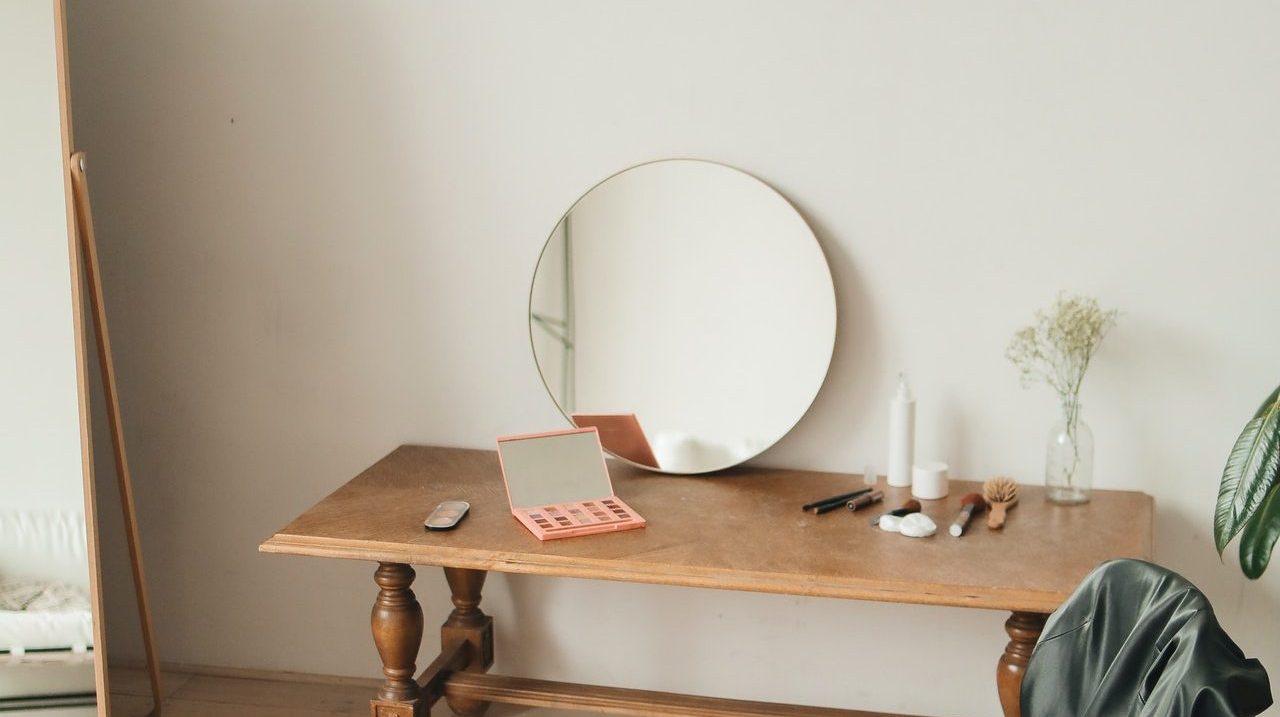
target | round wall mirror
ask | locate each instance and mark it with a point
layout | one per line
(685, 309)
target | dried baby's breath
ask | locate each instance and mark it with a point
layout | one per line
(1056, 349)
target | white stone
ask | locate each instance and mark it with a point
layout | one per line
(890, 523)
(917, 525)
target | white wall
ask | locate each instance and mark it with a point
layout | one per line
(320, 219)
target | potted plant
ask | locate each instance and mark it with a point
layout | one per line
(1249, 495)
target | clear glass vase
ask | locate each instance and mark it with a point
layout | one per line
(1068, 462)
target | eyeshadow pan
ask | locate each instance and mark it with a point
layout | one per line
(578, 518)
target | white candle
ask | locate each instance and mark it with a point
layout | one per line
(902, 435)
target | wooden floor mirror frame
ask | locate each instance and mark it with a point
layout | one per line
(101, 684)
(82, 374)
(85, 274)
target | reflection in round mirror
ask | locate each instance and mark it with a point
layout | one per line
(686, 310)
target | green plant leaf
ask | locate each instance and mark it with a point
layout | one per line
(1251, 471)
(1260, 535)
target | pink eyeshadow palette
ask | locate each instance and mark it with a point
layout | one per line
(565, 520)
(558, 485)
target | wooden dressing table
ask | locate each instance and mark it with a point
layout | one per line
(1027, 569)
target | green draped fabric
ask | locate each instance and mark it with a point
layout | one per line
(1138, 640)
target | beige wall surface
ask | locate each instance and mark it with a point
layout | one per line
(319, 222)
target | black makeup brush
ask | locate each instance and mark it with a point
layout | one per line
(911, 506)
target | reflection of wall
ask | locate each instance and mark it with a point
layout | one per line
(685, 276)
(346, 267)
(40, 466)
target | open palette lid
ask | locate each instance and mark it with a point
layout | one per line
(554, 467)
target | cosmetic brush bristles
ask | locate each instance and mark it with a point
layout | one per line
(970, 504)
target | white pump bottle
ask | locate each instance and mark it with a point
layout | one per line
(902, 435)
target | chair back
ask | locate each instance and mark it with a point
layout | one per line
(1136, 639)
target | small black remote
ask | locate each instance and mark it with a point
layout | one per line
(447, 515)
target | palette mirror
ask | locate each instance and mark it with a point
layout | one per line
(685, 309)
(562, 467)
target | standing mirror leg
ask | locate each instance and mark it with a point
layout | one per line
(97, 306)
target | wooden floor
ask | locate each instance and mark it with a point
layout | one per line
(232, 694)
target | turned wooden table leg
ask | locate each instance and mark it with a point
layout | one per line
(1024, 629)
(467, 623)
(397, 632)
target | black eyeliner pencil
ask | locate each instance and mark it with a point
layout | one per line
(822, 506)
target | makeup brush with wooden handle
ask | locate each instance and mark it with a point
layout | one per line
(1001, 494)
(970, 504)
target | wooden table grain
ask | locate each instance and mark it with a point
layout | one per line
(739, 529)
